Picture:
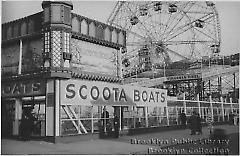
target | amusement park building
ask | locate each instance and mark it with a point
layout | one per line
(67, 69)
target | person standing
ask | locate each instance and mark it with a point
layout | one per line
(231, 118)
(116, 126)
(183, 119)
(193, 123)
(210, 122)
(199, 124)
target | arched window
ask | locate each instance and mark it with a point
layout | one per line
(92, 29)
(75, 25)
(100, 33)
(121, 38)
(107, 34)
(114, 36)
(84, 27)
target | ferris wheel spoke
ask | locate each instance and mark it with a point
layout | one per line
(146, 30)
(174, 31)
(179, 20)
(164, 35)
(205, 34)
(176, 53)
(183, 31)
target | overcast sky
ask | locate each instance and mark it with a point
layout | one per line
(229, 13)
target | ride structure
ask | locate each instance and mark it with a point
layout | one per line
(171, 39)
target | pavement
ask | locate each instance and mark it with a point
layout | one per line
(125, 145)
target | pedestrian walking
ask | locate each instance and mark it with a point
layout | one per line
(193, 123)
(210, 122)
(183, 119)
(116, 126)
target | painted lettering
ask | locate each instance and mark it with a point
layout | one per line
(7, 89)
(144, 98)
(97, 92)
(122, 95)
(36, 87)
(80, 92)
(17, 89)
(136, 95)
(70, 89)
(162, 97)
(151, 97)
(157, 93)
(116, 90)
(106, 93)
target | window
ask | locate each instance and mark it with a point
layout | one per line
(75, 25)
(107, 34)
(92, 29)
(114, 36)
(100, 33)
(84, 27)
(121, 38)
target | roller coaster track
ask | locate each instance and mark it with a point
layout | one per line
(206, 75)
(220, 72)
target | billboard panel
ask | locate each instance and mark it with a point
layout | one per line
(93, 58)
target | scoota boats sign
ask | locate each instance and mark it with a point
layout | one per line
(102, 93)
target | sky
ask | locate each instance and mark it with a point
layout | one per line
(229, 12)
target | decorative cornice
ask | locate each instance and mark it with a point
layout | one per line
(95, 40)
(27, 36)
(62, 73)
(22, 19)
(95, 77)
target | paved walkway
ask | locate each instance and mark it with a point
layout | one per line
(138, 144)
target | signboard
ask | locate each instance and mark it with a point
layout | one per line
(23, 88)
(79, 92)
(94, 58)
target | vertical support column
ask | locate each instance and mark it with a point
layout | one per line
(104, 120)
(211, 106)
(167, 115)
(50, 113)
(157, 113)
(231, 102)
(17, 116)
(146, 115)
(222, 108)
(120, 118)
(176, 114)
(234, 87)
(57, 108)
(134, 117)
(209, 86)
(184, 103)
(92, 125)
(199, 106)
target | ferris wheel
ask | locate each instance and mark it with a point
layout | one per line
(161, 32)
